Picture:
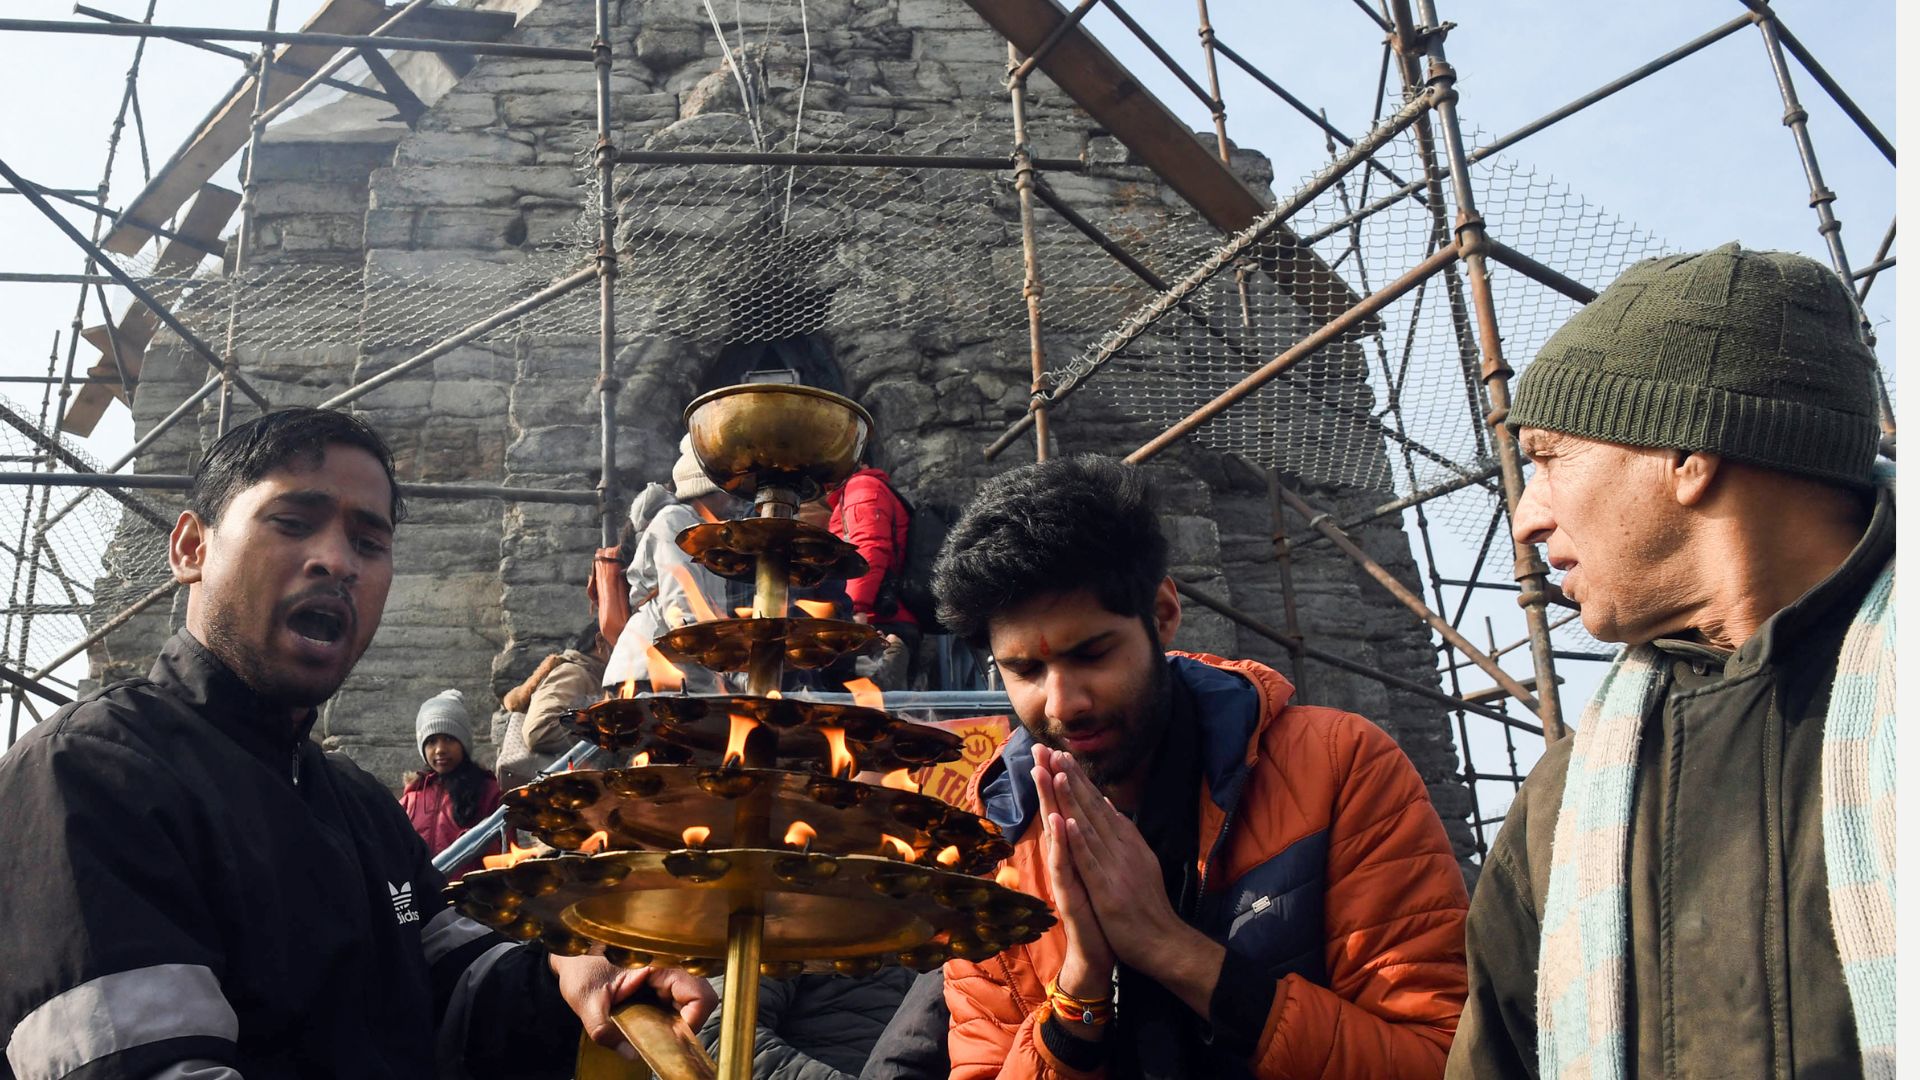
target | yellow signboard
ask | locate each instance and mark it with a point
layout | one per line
(981, 737)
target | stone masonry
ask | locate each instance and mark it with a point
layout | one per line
(491, 177)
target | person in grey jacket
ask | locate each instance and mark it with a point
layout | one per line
(1699, 882)
(817, 1027)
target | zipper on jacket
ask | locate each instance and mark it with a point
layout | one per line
(294, 769)
(1219, 844)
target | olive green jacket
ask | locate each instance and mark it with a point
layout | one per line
(1732, 968)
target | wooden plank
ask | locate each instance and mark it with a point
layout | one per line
(1101, 85)
(454, 24)
(226, 129)
(209, 214)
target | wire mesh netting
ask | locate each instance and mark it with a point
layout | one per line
(65, 557)
(1397, 406)
(721, 253)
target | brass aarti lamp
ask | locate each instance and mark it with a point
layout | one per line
(738, 838)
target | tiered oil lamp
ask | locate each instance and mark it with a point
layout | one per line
(739, 839)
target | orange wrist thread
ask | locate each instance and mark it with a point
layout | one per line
(1092, 1012)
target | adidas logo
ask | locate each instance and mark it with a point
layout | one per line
(402, 896)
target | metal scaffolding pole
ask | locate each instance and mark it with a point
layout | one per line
(333, 64)
(1030, 289)
(1283, 558)
(1215, 104)
(1335, 660)
(238, 271)
(101, 632)
(839, 160)
(338, 41)
(1210, 326)
(1047, 43)
(236, 54)
(1340, 326)
(1528, 568)
(1871, 273)
(1405, 502)
(182, 481)
(1819, 194)
(447, 344)
(606, 267)
(1826, 81)
(159, 428)
(1226, 255)
(1323, 522)
(72, 461)
(127, 282)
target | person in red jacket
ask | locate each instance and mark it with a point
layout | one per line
(1246, 887)
(452, 793)
(866, 513)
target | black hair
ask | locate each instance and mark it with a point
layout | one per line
(1084, 522)
(249, 452)
(465, 784)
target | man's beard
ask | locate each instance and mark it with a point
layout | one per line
(1141, 723)
(271, 683)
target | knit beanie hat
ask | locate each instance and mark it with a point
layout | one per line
(445, 713)
(1754, 355)
(689, 479)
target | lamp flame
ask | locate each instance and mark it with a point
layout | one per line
(738, 728)
(839, 760)
(899, 780)
(896, 847)
(595, 844)
(640, 759)
(629, 688)
(949, 856)
(800, 835)
(515, 853)
(695, 836)
(743, 612)
(818, 609)
(1007, 877)
(665, 677)
(866, 694)
(702, 610)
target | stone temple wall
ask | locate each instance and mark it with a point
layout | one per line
(915, 283)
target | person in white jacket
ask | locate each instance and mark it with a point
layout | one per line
(666, 588)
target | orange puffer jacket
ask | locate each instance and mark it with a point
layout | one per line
(1322, 861)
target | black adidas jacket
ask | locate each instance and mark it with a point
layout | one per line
(184, 892)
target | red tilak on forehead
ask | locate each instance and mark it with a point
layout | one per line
(1046, 650)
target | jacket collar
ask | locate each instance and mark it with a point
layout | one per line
(1227, 710)
(1777, 636)
(195, 677)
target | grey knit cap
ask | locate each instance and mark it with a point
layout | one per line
(445, 713)
(1754, 355)
(689, 479)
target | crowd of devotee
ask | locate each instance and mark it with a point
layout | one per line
(1697, 882)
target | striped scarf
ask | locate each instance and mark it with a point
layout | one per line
(1583, 946)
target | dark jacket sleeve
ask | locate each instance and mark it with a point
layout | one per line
(774, 1058)
(496, 1003)
(110, 946)
(1497, 1034)
(915, 1042)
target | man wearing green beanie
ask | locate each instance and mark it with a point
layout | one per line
(1700, 882)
